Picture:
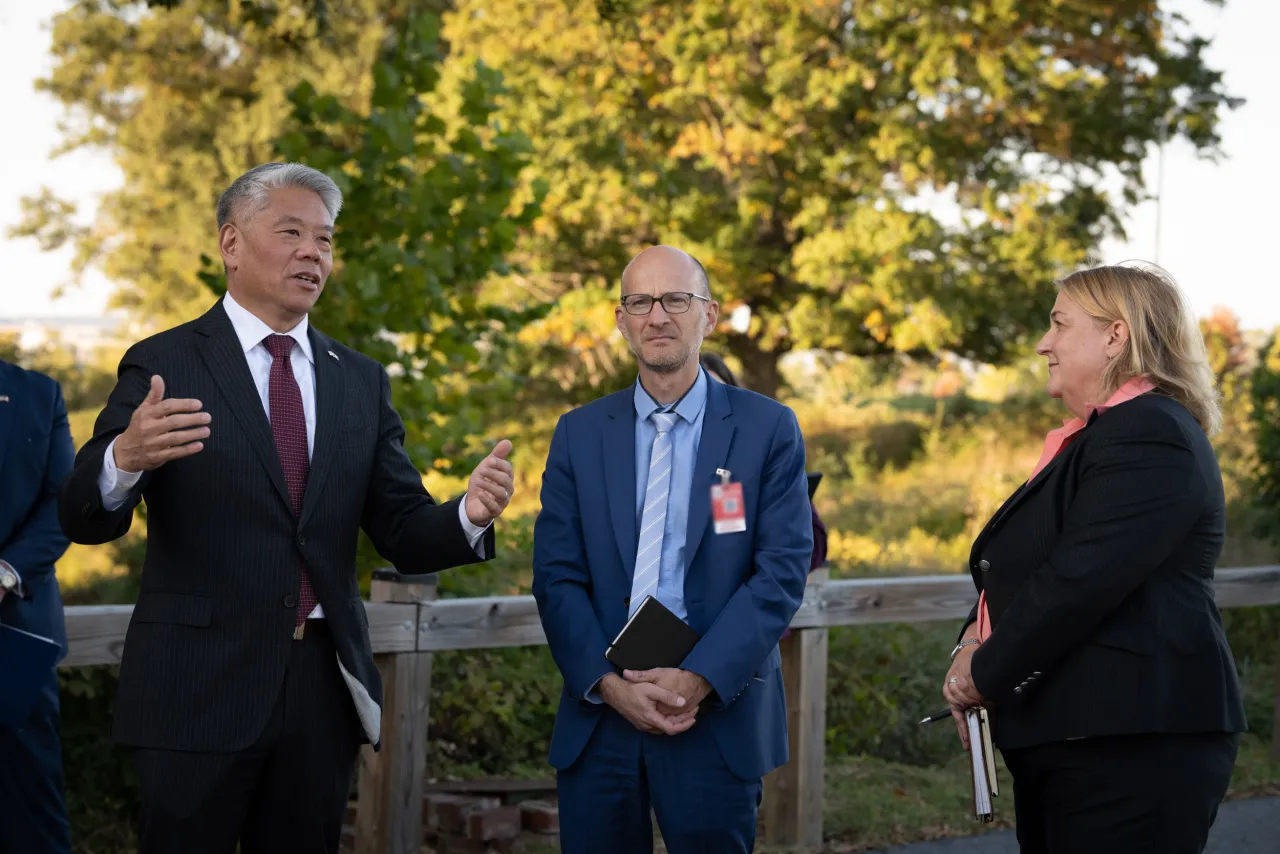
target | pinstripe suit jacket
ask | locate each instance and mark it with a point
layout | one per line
(1099, 581)
(209, 641)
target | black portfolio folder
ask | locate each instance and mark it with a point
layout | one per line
(25, 663)
(653, 637)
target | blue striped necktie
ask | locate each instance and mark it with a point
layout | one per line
(644, 581)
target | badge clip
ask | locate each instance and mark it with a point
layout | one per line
(724, 475)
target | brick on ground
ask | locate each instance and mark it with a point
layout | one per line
(494, 824)
(539, 816)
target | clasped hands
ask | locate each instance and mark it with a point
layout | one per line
(662, 701)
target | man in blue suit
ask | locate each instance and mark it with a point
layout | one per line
(627, 513)
(36, 455)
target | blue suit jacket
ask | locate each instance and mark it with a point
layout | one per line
(741, 589)
(36, 455)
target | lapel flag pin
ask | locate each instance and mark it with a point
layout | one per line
(334, 355)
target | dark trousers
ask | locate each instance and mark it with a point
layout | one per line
(33, 815)
(606, 795)
(286, 793)
(1131, 794)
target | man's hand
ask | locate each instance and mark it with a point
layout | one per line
(960, 692)
(161, 430)
(639, 703)
(691, 687)
(491, 486)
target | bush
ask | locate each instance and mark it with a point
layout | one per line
(102, 790)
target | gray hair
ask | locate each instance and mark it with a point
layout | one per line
(252, 188)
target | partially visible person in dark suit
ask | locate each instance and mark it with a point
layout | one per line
(715, 364)
(262, 448)
(36, 453)
(1096, 639)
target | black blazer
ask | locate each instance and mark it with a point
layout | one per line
(210, 636)
(1099, 581)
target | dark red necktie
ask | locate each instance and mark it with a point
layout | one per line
(289, 427)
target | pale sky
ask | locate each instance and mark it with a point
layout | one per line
(1216, 218)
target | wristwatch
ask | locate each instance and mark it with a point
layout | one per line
(8, 579)
(962, 645)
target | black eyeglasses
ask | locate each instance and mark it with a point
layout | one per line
(673, 302)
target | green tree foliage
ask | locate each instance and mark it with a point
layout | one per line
(185, 97)
(896, 176)
(430, 211)
(188, 96)
(1265, 392)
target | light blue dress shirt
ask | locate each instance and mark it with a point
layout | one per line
(686, 435)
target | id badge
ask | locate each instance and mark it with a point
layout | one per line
(727, 508)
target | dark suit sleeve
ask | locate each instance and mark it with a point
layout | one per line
(1141, 489)
(404, 522)
(562, 579)
(80, 509)
(757, 614)
(39, 541)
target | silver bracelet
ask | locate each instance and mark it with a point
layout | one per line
(962, 645)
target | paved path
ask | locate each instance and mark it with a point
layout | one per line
(1250, 826)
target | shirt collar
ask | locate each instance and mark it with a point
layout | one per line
(688, 407)
(1133, 388)
(251, 330)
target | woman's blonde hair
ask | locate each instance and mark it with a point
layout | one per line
(1165, 344)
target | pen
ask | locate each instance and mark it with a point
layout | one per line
(943, 715)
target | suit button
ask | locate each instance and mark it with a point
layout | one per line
(984, 565)
(1018, 690)
(1037, 674)
(626, 602)
(290, 601)
(302, 541)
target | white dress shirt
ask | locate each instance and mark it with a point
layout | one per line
(115, 484)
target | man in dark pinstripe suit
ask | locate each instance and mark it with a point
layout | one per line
(261, 447)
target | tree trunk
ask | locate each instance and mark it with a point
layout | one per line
(759, 367)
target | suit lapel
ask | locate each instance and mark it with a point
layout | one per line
(1013, 501)
(329, 390)
(618, 446)
(713, 450)
(220, 349)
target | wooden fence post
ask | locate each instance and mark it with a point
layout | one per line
(1275, 726)
(389, 798)
(793, 793)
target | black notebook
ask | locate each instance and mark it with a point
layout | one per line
(653, 637)
(26, 661)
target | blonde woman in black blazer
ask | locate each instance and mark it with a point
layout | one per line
(1115, 698)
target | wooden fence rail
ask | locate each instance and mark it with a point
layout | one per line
(407, 624)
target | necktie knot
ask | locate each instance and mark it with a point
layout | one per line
(279, 346)
(663, 421)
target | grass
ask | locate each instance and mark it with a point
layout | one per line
(872, 803)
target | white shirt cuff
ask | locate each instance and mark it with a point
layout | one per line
(474, 532)
(114, 484)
